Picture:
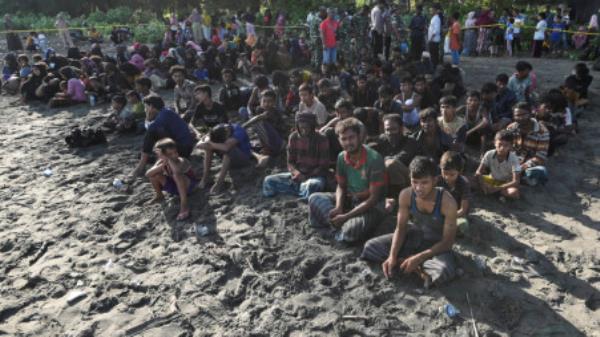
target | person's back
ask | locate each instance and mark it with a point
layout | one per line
(169, 122)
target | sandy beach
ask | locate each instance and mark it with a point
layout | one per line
(79, 257)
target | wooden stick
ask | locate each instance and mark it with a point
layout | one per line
(472, 318)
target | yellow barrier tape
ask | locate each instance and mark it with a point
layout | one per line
(285, 27)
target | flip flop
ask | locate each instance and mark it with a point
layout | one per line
(183, 216)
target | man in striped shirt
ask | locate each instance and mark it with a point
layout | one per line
(308, 162)
(531, 142)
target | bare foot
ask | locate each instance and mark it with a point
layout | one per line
(216, 188)
(202, 184)
(263, 161)
(157, 199)
(183, 215)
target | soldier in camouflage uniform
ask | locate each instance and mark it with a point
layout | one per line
(344, 38)
(314, 37)
(360, 30)
(400, 33)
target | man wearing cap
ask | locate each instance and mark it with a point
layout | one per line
(307, 160)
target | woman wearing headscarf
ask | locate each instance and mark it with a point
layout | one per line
(12, 39)
(196, 20)
(470, 38)
(483, 22)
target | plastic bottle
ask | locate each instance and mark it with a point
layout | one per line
(48, 172)
(92, 100)
(450, 310)
(339, 236)
(202, 230)
(118, 183)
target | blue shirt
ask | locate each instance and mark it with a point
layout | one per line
(556, 36)
(201, 74)
(239, 133)
(170, 124)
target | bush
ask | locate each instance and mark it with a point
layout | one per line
(150, 32)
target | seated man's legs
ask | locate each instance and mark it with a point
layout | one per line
(310, 186)
(279, 183)
(440, 268)
(359, 227)
(536, 175)
(319, 206)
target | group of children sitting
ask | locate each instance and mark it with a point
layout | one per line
(400, 148)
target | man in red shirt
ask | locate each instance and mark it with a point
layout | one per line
(328, 28)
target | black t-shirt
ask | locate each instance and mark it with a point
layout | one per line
(231, 97)
(209, 118)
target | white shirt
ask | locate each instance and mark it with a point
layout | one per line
(540, 29)
(435, 28)
(377, 19)
(317, 108)
(502, 171)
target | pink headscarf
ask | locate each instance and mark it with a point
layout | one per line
(138, 61)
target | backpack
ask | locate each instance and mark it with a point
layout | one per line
(86, 137)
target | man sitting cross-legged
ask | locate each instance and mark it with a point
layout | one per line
(357, 205)
(426, 249)
(308, 162)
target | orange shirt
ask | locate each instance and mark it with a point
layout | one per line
(455, 36)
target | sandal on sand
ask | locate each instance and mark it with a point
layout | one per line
(183, 215)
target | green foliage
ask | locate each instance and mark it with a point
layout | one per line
(151, 32)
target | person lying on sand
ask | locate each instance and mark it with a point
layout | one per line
(356, 208)
(231, 143)
(172, 174)
(426, 249)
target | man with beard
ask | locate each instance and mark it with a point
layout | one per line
(425, 248)
(308, 162)
(531, 143)
(356, 207)
(397, 150)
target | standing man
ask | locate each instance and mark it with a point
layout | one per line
(316, 44)
(357, 205)
(328, 29)
(360, 30)
(377, 26)
(417, 27)
(434, 35)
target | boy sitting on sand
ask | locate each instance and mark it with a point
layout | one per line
(451, 179)
(426, 249)
(502, 168)
(172, 174)
(451, 124)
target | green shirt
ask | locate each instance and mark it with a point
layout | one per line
(358, 176)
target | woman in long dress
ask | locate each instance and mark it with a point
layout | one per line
(470, 39)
